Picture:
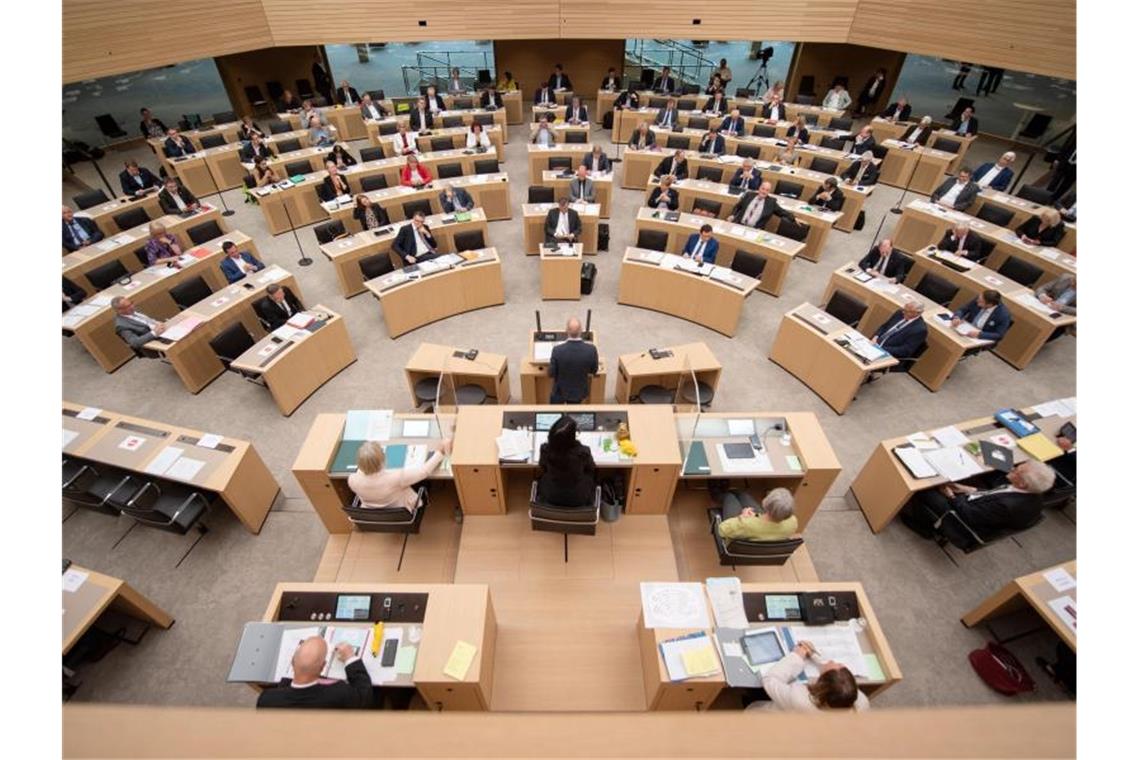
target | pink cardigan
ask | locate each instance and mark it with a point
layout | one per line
(392, 488)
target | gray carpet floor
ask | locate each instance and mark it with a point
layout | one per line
(917, 592)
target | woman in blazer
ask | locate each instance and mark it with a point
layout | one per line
(566, 468)
(382, 488)
(799, 130)
(477, 138)
(248, 129)
(369, 214)
(415, 174)
(340, 156)
(1046, 229)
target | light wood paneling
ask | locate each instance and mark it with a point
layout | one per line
(826, 61)
(256, 67)
(584, 61)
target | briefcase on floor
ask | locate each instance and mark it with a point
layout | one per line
(589, 274)
(603, 237)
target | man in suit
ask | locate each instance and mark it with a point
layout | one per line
(238, 263)
(642, 137)
(309, 112)
(883, 260)
(872, 90)
(455, 198)
(544, 96)
(73, 295)
(562, 224)
(576, 112)
(543, 135)
(177, 145)
(962, 241)
(255, 149)
(434, 101)
(174, 198)
(897, 111)
(420, 118)
(582, 187)
(612, 82)
(135, 328)
(597, 160)
(733, 124)
(628, 99)
(746, 177)
(998, 503)
(920, 133)
(667, 116)
(674, 166)
(305, 688)
(903, 334)
(755, 209)
(150, 126)
(370, 111)
(958, 192)
(996, 176)
(986, 315)
(278, 305)
(346, 94)
(775, 110)
(491, 100)
(828, 196)
(862, 172)
(664, 196)
(558, 80)
(712, 143)
(334, 184)
(288, 102)
(864, 140)
(701, 246)
(967, 124)
(571, 365)
(78, 231)
(136, 180)
(414, 242)
(665, 82)
(717, 105)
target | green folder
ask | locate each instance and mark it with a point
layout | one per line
(394, 456)
(697, 462)
(345, 459)
(463, 216)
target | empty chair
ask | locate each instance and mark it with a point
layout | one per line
(426, 390)
(677, 142)
(811, 119)
(805, 100)
(304, 89)
(411, 207)
(274, 89)
(698, 122)
(1020, 271)
(487, 166)
(452, 121)
(277, 127)
(386, 128)
(790, 228)
(1034, 194)
(485, 119)
(131, 218)
(231, 343)
(375, 182)
(763, 130)
(879, 151)
(140, 254)
(949, 146)
(294, 168)
(825, 165)
(789, 189)
(109, 127)
(846, 308)
(254, 96)
(204, 232)
(108, 488)
(994, 214)
(653, 239)
(745, 110)
(78, 477)
(937, 289)
(170, 506)
(442, 143)
(702, 394)
(375, 266)
(743, 551)
(985, 248)
(710, 173)
(575, 136)
(558, 162)
(657, 101)
(470, 395)
(329, 231)
(704, 204)
(449, 171)
(843, 124)
(462, 104)
(907, 261)
(224, 117)
(376, 94)
(212, 141)
(655, 394)
(750, 264)
(687, 104)
(89, 198)
(834, 143)
(539, 194)
(582, 520)
(103, 277)
(288, 146)
(748, 151)
(471, 240)
(371, 153)
(190, 292)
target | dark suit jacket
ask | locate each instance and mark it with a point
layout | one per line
(708, 255)
(581, 115)
(667, 118)
(971, 126)
(381, 215)
(491, 99)
(732, 126)
(74, 293)
(902, 114)
(721, 107)
(439, 102)
(628, 100)
(766, 112)
(972, 245)
(770, 207)
(603, 163)
(552, 84)
(571, 483)
(993, 513)
(870, 176)
(328, 192)
(166, 201)
(922, 138)
(673, 201)
(905, 342)
(461, 195)
(965, 198)
(142, 127)
(130, 184)
(405, 242)
(861, 147)
(995, 327)
(834, 204)
(716, 146)
(665, 84)
(1032, 228)
(680, 172)
(552, 101)
(896, 264)
(273, 314)
(552, 223)
(800, 134)
(753, 181)
(650, 139)
(418, 121)
(233, 272)
(571, 365)
(92, 230)
(865, 95)
(174, 151)
(355, 693)
(610, 83)
(1001, 181)
(340, 97)
(348, 159)
(251, 154)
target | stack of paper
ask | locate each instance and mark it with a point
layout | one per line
(832, 642)
(514, 445)
(1039, 447)
(914, 461)
(950, 436)
(182, 328)
(953, 463)
(368, 425)
(689, 657)
(727, 599)
(756, 464)
(603, 446)
(543, 349)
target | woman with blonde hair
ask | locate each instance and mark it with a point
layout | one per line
(381, 488)
(1046, 229)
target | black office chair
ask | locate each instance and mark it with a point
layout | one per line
(698, 122)
(995, 214)
(470, 395)
(576, 137)
(255, 98)
(686, 104)
(277, 126)
(172, 507)
(825, 165)
(452, 121)
(377, 94)
(907, 260)
(811, 119)
(937, 289)
(656, 101)
(231, 343)
(843, 123)
(539, 194)
(1020, 271)
(950, 528)
(131, 218)
(323, 195)
(186, 294)
(792, 229)
(386, 128)
(702, 394)
(985, 248)
(789, 189)
(749, 264)
(763, 130)
(89, 198)
(371, 153)
(741, 551)
(103, 277)
(655, 240)
(484, 119)
(389, 519)
(703, 204)
(375, 182)
(558, 162)
(411, 207)
(294, 168)
(748, 151)
(204, 232)
(471, 240)
(84, 486)
(949, 146)
(834, 143)
(224, 117)
(304, 89)
(109, 488)
(212, 141)
(462, 104)
(582, 521)
(274, 89)
(487, 166)
(710, 173)
(677, 142)
(426, 391)
(879, 151)
(744, 109)
(1038, 195)
(449, 171)
(140, 254)
(109, 127)
(846, 308)
(376, 265)
(442, 143)
(329, 231)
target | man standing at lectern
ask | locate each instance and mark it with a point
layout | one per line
(571, 365)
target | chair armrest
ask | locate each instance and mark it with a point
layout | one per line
(88, 468)
(186, 505)
(149, 484)
(533, 492)
(113, 491)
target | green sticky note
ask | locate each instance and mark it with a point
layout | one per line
(874, 668)
(406, 660)
(794, 463)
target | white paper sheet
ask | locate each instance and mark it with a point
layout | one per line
(291, 638)
(673, 654)
(161, 463)
(132, 443)
(73, 579)
(1060, 579)
(185, 468)
(727, 598)
(742, 427)
(950, 436)
(210, 441)
(69, 436)
(833, 642)
(88, 413)
(953, 463)
(417, 428)
(674, 605)
(543, 350)
(915, 462)
(1066, 608)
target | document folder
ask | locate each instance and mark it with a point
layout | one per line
(697, 462)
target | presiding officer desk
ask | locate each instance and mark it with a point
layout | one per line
(884, 484)
(93, 321)
(381, 133)
(662, 693)
(232, 469)
(345, 253)
(98, 593)
(103, 214)
(674, 371)
(490, 192)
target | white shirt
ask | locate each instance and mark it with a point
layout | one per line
(952, 194)
(881, 267)
(563, 227)
(347, 96)
(914, 133)
(983, 316)
(481, 139)
(421, 244)
(373, 111)
(699, 250)
(244, 265)
(433, 105)
(544, 137)
(283, 304)
(896, 327)
(752, 214)
(177, 198)
(990, 176)
(403, 142)
(839, 100)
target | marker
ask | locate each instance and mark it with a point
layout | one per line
(377, 638)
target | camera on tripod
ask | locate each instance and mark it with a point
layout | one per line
(765, 55)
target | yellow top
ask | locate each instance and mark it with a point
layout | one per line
(504, 86)
(757, 528)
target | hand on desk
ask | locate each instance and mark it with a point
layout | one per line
(805, 649)
(344, 650)
(160, 328)
(444, 446)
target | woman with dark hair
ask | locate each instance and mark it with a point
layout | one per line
(566, 468)
(340, 156)
(369, 214)
(835, 688)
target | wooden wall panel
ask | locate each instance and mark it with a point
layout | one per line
(584, 61)
(826, 61)
(256, 67)
(102, 38)
(1037, 36)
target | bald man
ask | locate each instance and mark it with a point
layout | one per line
(571, 365)
(306, 690)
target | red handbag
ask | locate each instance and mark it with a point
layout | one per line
(1001, 671)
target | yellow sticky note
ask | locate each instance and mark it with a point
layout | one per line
(700, 662)
(460, 660)
(1039, 447)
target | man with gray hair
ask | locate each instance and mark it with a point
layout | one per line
(741, 517)
(134, 327)
(996, 176)
(903, 334)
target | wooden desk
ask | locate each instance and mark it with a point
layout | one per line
(233, 470)
(104, 214)
(98, 593)
(328, 491)
(534, 225)
(650, 280)
(1033, 591)
(635, 371)
(603, 187)
(699, 693)
(457, 135)
(561, 129)
(513, 105)
(604, 103)
(884, 129)
(149, 289)
(294, 368)
(490, 192)
(538, 157)
(560, 274)
(1022, 211)
(346, 253)
(885, 485)
(487, 370)
(777, 251)
(1032, 324)
(920, 169)
(963, 141)
(924, 223)
(191, 357)
(537, 384)
(945, 346)
(476, 284)
(467, 115)
(455, 612)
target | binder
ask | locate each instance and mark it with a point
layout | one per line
(697, 462)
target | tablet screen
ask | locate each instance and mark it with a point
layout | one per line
(353, 607)
(762, 647)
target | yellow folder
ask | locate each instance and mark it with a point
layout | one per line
(1039, 447)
